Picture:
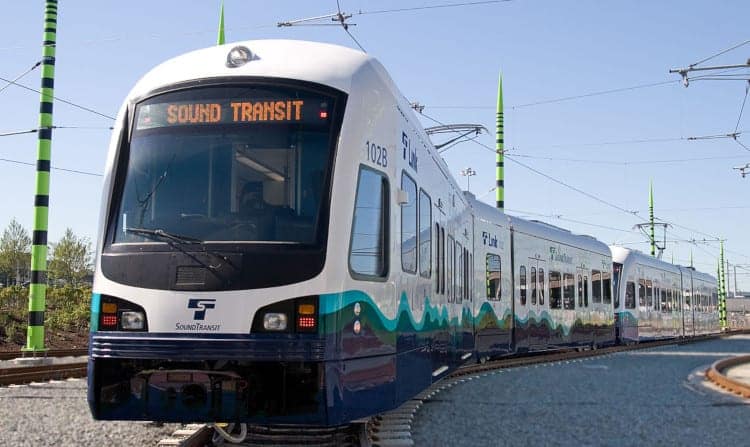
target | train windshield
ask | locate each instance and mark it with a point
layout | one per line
(229, 164)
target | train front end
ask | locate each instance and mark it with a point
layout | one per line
(213, 240)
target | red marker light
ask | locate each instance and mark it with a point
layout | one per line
(323, 114)
(109, 320)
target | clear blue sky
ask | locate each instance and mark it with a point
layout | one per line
(442, 58)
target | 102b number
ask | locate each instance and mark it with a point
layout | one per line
(377, 154)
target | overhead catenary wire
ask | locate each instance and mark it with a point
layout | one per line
(65, 101)
(733, 47)
(9, 83)
(22, 132)
(73, 171)
(549, 177)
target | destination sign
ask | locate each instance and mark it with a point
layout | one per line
(229, 111)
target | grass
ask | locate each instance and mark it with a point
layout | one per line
(67, 311)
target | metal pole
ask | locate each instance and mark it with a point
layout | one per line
(735, 281)
(500, 145)
(38, 286)
(220, 38)
(651, 217)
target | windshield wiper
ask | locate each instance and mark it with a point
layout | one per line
(177, 240)
(161, 234)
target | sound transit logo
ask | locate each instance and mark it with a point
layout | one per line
(202, 305)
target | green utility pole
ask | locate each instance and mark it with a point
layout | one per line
(651, 217)
(38, 286)
(220, 39)
(500, 145)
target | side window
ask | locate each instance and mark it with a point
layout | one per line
(425, 234)
(607, 288)
(459, 283)
(630, 295)
(555, 290)
(569, 301)
(438, 262)
(522, 283)
(596, 285)
(642, 292)
(449, 262)
(664, 306)
(541, 287)
(409, 226)
(670, 300)
(532, 284)
(586, 291)
(493, 277)
(580, 290)
(443, 260)
(649, 294)
(368, 253)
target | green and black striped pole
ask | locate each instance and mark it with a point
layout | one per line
(220, 37)
(722, 290)
(651, 217)
(500, 145)
(38, 287)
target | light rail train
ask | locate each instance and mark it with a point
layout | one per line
(280, 243)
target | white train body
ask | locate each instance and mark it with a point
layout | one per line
(656, 299)
(280, 242)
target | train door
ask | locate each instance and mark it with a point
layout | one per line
(583, 310)
(537, 304)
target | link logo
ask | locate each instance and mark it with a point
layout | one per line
(202, 305)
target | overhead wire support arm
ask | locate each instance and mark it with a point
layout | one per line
(692, 68)
(464, 131)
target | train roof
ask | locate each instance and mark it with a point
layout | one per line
(537, 228)
(697, 275)
(321, 63)
(623, 255)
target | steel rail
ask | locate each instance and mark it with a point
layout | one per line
(77, 352)
(27, 374)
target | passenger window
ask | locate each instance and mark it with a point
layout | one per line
(580, 291)
(555, 290)
(664, 307)
(438, 262)
(522, 283)
(450, 261)
(425, 234)
(586, 291)
(493, 277)
(459, 273)
(541, 287)
(443, 260)
(596, 285)
(532, 284)
(409, 225)
(649, 294)
(368, 254)
(642, 292)
(569, 301)
(607, 288)
(630, 295)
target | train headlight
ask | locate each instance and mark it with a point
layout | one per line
(132, 320)
(238, 56)
(273, 321)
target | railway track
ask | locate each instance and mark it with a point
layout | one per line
(394, 427)
(10, 355)
(40, 373)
